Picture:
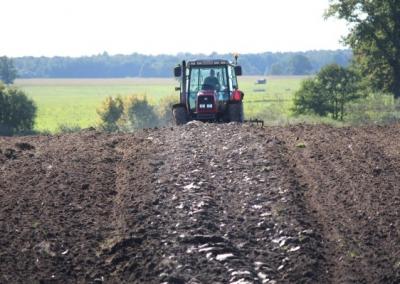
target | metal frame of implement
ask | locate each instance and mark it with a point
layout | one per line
(255, 121)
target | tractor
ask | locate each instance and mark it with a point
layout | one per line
(208, 91)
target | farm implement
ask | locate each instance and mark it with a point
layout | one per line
(209, 92)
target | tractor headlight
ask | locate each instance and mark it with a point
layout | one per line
(202, 106)
(209, 105)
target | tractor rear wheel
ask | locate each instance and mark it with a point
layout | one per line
(235, 111)
(180, 114)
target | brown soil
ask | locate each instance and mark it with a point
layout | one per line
(202, 204)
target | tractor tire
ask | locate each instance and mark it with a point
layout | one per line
(235, 112)
(180, 114)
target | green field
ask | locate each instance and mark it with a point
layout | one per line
(73, 102)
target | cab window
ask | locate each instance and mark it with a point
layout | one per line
(232, 78)
(208, 78)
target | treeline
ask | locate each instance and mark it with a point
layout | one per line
(139, 65)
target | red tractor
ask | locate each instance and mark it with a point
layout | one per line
(208, 91)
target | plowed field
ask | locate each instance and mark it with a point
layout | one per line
(202, 204)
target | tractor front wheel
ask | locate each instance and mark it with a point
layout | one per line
(180, 114)
(235, 112)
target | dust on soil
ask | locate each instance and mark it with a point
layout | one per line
(202, 204)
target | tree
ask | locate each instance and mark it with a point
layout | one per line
(277, 69)
(109, 112)
(311, 98)
(299, 65)
(8, 73)
(138, 113)
(375, 39)
(133, 65)
(341, 85)
(17, 111)
(333, 87)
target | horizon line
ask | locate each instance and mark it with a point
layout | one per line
(106, 53)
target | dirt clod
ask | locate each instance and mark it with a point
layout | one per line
(24, 146)
(10, 153)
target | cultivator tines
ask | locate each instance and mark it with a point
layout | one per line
(255, 121)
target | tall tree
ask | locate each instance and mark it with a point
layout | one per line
(8, 73)
(375, 39)
(329, 92)
(299, 65)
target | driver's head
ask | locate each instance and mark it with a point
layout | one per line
(212, 73)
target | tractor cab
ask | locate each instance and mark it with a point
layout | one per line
(208, 91)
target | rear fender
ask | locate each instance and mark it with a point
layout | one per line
(178, 105)
(237, 96)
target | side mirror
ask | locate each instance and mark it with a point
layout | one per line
(178, 71)
(238, 70)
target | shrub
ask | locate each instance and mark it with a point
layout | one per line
(63, 128)
(131, 113)
(164, 109)
(138, 113)
(110, 112)
(378, 108)
(17, 112)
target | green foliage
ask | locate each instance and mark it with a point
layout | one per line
(341, 85)
(377, 108)
(8, 73)
(299, 65)
(139, 65)
(127, 114)
(110, 112)
(164, 109)
(17, 112)
(329, 92)
(138, 113)
(305, 63)
(311, 98)
(375, 39)
(301, 145)
(277, 69)
(63, 128)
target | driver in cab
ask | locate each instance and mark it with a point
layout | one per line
(211, 82)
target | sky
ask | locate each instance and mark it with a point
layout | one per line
(88, 27)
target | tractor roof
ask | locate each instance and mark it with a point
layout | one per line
(208, 62)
